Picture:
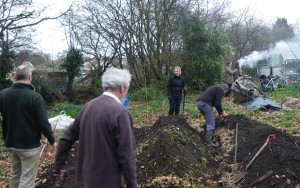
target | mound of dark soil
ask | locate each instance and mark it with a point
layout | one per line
(172, 154)
(282, 156)
(169, 148)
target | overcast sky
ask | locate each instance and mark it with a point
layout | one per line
(50, 34)
(52, 39)
(270, 10)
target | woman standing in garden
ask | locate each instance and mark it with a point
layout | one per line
(176, 85)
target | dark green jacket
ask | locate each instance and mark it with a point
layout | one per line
(24, 117)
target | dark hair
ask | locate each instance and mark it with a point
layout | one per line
(225, 87)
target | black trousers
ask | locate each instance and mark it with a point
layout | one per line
(175, 102)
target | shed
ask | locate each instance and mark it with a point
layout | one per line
(284, 56)
(58, 79)
(290, 52)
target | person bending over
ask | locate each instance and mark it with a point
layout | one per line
(211, 97)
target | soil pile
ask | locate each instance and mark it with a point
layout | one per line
(172, 154)
(282, 156)
(169, 151)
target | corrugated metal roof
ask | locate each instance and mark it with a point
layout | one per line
(290, 50)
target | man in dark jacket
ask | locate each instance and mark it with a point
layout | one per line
(104, 128)
(24, 119)
(176, 85)
(211, 97)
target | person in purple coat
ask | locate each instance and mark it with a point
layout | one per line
(106, 155)
(211, 97)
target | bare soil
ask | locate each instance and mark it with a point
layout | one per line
(171, 153)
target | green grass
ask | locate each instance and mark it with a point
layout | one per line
(69, 108)
(287, 119)
(292, 90)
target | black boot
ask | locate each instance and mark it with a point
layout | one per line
(204, 129)
(209, 137)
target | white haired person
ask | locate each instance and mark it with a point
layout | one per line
(106, 155)
(211, 97)
(175, 88)
(24, 120)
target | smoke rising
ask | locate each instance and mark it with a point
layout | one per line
(274, 55)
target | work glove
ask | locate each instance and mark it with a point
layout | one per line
(59, 177)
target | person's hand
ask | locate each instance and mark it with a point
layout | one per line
(54, 145)
(59, 177)
(223, 117)
(224, 114)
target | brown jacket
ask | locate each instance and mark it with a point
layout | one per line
(106, 150)
(229, 75)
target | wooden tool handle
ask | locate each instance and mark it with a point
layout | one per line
(262, 178)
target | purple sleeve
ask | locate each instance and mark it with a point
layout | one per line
(126, 149)
(65, 144)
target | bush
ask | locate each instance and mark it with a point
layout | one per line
(155, 90)
(42, 86)
(5, 84)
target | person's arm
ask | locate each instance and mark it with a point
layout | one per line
(218, 102)
(183, 84)
(126, 150)
(229, 71)
(169, 86)
(41, 117)
(65, 144)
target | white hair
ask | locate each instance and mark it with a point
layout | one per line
(114, 78)
(22, 72)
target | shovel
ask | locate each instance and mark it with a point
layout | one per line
(184, 93)
(241, 174)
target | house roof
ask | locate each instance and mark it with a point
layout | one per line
(290, 50)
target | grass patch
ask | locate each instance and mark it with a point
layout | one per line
(70, 109)
(292, 90)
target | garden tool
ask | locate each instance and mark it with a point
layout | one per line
(236, 142)
(241, 174)
(262, 178)
(183, 103)
(59, 178)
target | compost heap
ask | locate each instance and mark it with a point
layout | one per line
(172, 154)
(246, 93)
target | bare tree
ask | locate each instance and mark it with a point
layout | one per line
(16, 17)
(143, 35)
(247, 33)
